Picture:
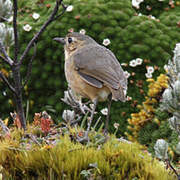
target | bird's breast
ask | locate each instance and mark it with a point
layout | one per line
(79, 86)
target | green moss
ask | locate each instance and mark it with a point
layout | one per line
(113, 160)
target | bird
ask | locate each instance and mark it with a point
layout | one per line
(93, 72)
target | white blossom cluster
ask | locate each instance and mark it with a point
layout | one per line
(135, 62)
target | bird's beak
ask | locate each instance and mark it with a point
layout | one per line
(61, 40)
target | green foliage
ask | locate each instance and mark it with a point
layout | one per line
(131, 37)
(69, 160)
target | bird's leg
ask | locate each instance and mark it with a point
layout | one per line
(86, 138)
(95, 101)
(108, 115)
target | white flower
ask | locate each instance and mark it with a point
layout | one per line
(4, 93)
(69, 8)
(82, 31)
(160, 0)
(10, 19)
(106, 42)
(27, 27)
(128, 98)
(136, 3)
(139, 61)
(150, 69)
(104, 111)
(35, 16)
(148, 75)
(140, 14)
(116, 125)
(132, 63)
(152, 17)
(127, 74)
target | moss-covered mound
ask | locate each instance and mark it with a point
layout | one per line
(131, 36)
(65, 159)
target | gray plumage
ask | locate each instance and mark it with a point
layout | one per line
(100, 64)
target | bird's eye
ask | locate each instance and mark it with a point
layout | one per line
(70, 40)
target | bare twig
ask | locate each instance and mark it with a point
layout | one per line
(169, 164)
(16, 49)
(4, 127)
(7, 82)
(6, 58)
(64, 9)
(30, 66)
(3, 18)
(50, 19)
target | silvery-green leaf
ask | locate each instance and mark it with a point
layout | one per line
(9, 37)
(177, 49)
(68, 115)
(167, 95)
(161, 148)
(177, 62)
(177, 89)
(174, 122)
(5, 8)
(2, 31)
(168, 100)
(178, 148)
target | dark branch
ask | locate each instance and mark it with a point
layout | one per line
(63, 11)
(6, 58)
(16, 49)
(7, 82)
(50, 19)
(30, 66)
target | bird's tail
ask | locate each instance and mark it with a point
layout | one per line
(118, 94)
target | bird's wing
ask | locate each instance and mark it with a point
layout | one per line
(100, 64)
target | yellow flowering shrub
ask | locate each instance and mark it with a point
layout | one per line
(148, 107)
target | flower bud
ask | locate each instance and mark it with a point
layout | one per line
(68, 115)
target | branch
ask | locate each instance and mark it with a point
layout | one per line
(7, 82)
(16, 49)
(59, 15)
(3, 18)
(6, 58)
(50, 19)
(30, 66)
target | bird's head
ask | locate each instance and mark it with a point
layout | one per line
(74, 41)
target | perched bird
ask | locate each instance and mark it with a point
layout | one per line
(92, 71)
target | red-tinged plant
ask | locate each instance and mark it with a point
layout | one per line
(37, 119)
(46, 121)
